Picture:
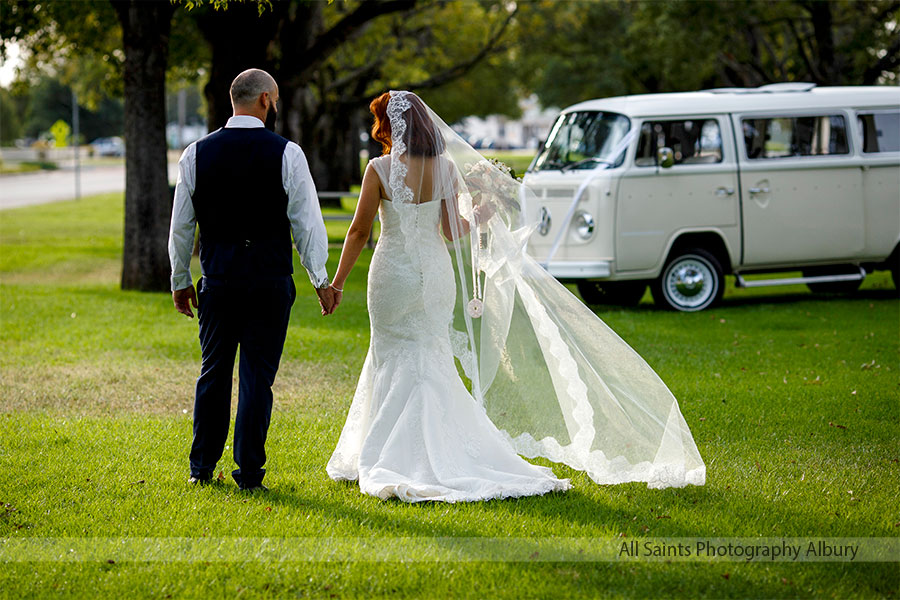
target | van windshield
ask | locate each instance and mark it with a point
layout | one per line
(583, 140)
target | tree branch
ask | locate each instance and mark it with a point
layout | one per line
(887, 62)
(753, 35)
(365, 72)
(464, 67)
(329, 41)
(803, 54)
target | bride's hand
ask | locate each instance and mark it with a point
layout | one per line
(338, 296)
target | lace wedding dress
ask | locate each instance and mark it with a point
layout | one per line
(413, 430)
(548, 378)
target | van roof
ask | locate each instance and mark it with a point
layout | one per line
(779, 96)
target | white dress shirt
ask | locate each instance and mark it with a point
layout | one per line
(303, 211)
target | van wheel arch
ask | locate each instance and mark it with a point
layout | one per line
(705, 240)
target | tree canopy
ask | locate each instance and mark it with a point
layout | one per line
(578, 50)
(465, 58)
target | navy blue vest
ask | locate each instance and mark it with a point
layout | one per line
(241, 205)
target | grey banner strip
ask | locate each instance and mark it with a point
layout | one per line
(437, 549)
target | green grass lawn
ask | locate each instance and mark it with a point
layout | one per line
(26, 167)
(791, 398)
(517, 160)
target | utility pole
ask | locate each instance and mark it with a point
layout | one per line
(75, 142)
(182, 116)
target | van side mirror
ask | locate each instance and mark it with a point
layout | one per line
(665, 158)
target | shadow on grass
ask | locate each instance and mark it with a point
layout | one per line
(371, 515)
(759, 300)
(580, 508)
(878, 294)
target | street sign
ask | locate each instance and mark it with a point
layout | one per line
(60, 132)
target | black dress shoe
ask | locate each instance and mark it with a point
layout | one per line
(256, 488)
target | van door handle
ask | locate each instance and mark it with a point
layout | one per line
(759, 190)
(725, 191)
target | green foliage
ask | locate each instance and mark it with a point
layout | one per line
(48, 100)
(44, 165)
(488, 89)
(25, 167)
(189, 55)
(262, 5)
(566, 51)
(77, 42)
(790, 396)
(410, 50)
(571, 51)
(80, 45)
(11, 124)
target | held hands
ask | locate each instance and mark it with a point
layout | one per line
(184, 299)
(329, 299)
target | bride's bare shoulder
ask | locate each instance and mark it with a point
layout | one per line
(381, 164)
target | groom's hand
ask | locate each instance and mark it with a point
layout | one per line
(326, 299)
(184, 299)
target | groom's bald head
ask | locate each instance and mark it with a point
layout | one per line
(247, 87)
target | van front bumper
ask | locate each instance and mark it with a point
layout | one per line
(579, 270)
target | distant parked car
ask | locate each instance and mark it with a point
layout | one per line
(486, 143)
(109, 146)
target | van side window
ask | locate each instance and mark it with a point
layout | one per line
(784, 137)
(880, 132)
(692, 142)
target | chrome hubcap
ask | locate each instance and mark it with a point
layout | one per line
(690, 283)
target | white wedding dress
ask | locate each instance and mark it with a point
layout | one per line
(413, 430)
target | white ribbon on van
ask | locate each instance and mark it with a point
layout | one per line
(620, 147)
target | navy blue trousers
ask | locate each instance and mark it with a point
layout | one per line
(252, 314)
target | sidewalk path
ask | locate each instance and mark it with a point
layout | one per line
(54, 186)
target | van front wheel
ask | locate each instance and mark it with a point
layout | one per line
(691, 280)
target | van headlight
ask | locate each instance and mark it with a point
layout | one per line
(584, 225)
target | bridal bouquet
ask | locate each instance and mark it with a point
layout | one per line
(491, 182)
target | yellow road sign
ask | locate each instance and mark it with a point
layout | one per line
(60, 132)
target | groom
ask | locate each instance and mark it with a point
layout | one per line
(250, 191)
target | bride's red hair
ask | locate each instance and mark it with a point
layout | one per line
(381, 128)
(425, 139)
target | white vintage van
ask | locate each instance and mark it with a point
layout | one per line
(679, 190)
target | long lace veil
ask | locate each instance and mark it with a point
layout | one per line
(550, 374)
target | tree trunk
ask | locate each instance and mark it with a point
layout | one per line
(239, 38)
(318, 126)
(308, 113)
(329, 136)
(148, 202)
(823, 22)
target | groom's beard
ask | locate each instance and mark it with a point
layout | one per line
(271, 115)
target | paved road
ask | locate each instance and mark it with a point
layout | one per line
(54, 186)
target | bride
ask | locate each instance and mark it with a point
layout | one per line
(449, 286)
